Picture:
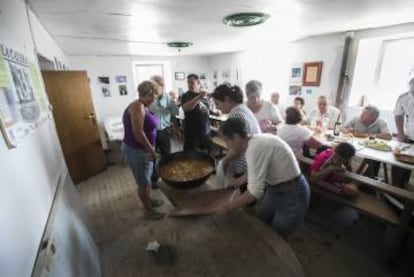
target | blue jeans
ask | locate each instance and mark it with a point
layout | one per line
(284, 205)
(140, 164)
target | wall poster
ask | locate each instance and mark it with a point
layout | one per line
(103, 82)
(23, 104)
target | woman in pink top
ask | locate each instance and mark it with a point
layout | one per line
(332, 161)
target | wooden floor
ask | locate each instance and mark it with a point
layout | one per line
(116, 214)
(115, 211)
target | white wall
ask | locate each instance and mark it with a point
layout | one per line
(271, 65)
(113, 66)
(29, 173)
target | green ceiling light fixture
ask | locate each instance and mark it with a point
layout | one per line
(245, 19)
(179, 44)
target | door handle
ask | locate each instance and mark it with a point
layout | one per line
(92, 117)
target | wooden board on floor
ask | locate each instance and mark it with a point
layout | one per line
(203, 203)
(234, 245)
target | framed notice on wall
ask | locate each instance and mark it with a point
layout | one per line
(312, 74)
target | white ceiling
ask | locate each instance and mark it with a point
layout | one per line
(141, 27)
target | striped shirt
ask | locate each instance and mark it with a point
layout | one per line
(405, 107)
(243, 112)
(377, 127)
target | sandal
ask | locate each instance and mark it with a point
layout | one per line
(156, 203)
(154, 215)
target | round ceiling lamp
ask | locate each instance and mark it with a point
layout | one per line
(179, 44)
(245, 19)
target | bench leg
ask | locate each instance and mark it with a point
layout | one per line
(401, 232)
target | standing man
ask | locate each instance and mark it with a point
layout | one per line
(165, 109)
(274, 98)
(404, 120)
(196, 121)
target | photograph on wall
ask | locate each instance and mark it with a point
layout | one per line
(103, 82)
(121, 79)
(296, 75)
(23, 101)
(123, 90)
(295, 90)
(179, 76)
(312, 74)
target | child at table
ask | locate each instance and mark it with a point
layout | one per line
(332, 161)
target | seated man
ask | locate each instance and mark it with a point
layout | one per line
(324, 114)
(332, 161)
(369, 124)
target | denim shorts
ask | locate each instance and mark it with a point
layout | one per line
(140, 163)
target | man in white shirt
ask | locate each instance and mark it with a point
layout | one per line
(274, 178)
(274, 98)
(325, 112)
(404, 120)
(265, 112)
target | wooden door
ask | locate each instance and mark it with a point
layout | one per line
(76, 125)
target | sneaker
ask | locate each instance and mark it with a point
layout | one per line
(156, 203)
(154, 215)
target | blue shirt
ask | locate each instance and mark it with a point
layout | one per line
(164, 108)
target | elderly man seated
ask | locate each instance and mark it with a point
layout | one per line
(324, 113)
(369, 124)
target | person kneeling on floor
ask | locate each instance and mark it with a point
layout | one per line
(273, 178)
(332, 161)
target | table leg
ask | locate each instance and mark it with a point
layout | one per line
(385, 168)
(362, 167)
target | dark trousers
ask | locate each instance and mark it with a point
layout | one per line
(373, 168)
(163, 146)
(400, 176)
(163, 142)
(192, 142)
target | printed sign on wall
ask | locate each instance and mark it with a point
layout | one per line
(23, 104)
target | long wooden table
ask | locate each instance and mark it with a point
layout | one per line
(238, 244)
(373, 154)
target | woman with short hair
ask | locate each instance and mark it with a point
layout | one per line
(265, 112)
(229, 100)
(296, 135)
(138, 147)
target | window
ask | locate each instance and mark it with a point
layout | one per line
(382, 71)
(145, 70)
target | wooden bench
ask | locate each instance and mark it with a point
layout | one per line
(370, 205)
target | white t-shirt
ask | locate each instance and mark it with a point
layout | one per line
(281, 109)
(295, 136)
(268, 112)
(270, 161)
(405, 107)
